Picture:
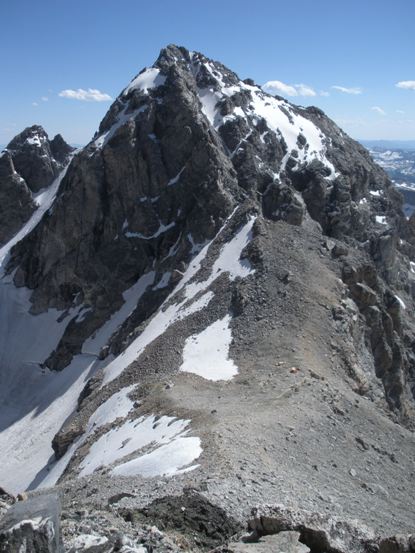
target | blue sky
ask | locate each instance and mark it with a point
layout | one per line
(49, 46)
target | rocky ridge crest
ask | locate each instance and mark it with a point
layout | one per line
(205, 207)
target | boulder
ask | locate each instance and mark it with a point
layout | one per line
(284, 542)
(320, 532)
(32, 526)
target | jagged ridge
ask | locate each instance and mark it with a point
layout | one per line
(186, 159)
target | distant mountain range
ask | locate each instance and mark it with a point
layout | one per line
(389, 144)
(399, 163)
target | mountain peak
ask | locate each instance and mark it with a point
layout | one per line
(30, 136)
(213, 251)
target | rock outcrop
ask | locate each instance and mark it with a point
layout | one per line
(32, 526)
(319, 532)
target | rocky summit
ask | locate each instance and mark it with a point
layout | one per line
(207, 338)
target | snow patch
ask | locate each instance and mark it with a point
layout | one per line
(161, 230)
(176, 179)
(129, 438)
(164, 281)
(228, 261)
(35, 140)
(148, 79)
(207, 353)
(122, 119)
(168, 460)
(401, 302)
(117, 406)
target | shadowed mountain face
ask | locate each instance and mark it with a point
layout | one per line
(216, 267)
(29, 164)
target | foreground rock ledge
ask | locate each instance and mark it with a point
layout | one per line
(32, 526)
(326, 533)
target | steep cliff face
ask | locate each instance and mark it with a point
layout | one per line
(16, 199)
(223, 290)
(29, 163)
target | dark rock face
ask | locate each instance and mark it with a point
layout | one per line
(63, 439)
(16, 203)
(183, 145)
(288, 542)
(29, 163)
(34, 156)
(60, 149)
(397, 544)
(191, 514)
(32, 525)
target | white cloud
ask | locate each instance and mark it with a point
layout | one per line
(35, 104)
(408, 85)
(289, 90)
(44, 98)
(346, 90)
(90, 95)
(278, 86)
(400, 111)
(378, 110)
(305, 90)
(324, 93)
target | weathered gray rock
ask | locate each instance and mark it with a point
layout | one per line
(283, 542)
(6, 501)
(320, 532)
(280, 203)
(63, 439)
(32, 526)
(397, 544)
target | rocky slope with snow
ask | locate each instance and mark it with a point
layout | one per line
(214, 298)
